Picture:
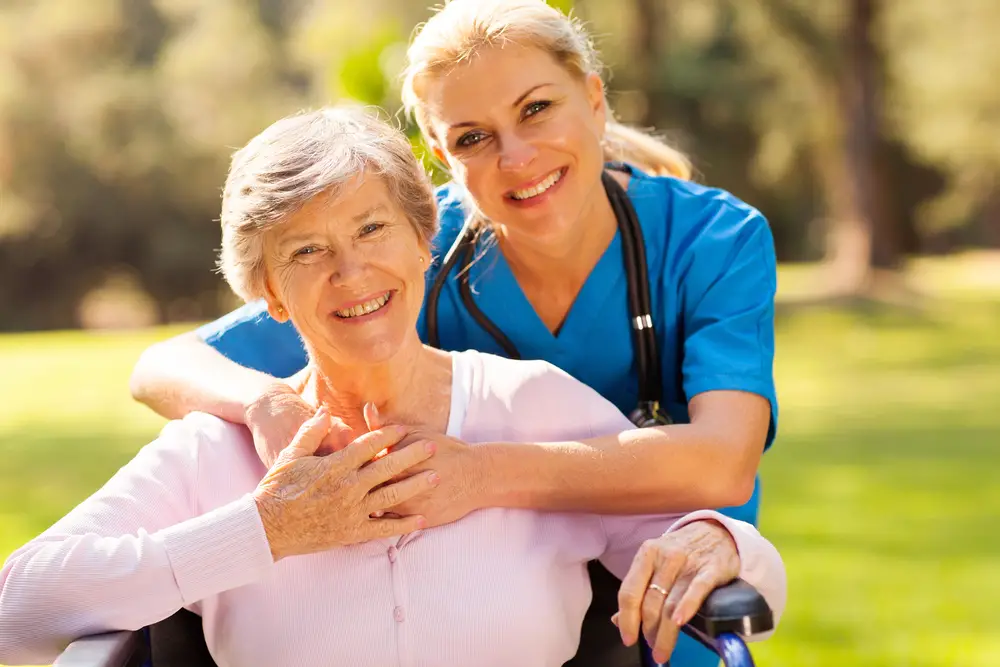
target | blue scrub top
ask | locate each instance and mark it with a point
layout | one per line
(711, 266)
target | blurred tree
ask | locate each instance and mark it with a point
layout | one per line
(827, 73)
(842, 121)
(945, 105)
(116, 120)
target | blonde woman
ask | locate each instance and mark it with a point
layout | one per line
(509, 96)
(328, 218)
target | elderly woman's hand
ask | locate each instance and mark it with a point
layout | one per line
(669, 579)
(309, 503)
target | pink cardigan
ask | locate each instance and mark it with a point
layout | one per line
(177, 527)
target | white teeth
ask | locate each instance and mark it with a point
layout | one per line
(528, 193)
(364, 308)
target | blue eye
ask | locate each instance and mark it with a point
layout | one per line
(371, 228)
(533, 108)
(469, 139)
(307, 250)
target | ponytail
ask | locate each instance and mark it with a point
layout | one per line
(651, 155)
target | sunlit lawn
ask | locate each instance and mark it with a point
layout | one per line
(880, 491)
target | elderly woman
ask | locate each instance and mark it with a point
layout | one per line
(327, 216)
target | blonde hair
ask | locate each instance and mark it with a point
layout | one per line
(301, 157)
(461, 27)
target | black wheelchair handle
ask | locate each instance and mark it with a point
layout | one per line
(736, 607)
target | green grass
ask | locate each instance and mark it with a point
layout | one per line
(879, 491)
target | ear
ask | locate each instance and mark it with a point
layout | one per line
(274, 307)
(595, 96)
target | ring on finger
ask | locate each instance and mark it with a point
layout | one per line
(658, 588)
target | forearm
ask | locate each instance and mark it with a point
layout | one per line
(667, 469)
(183, 375)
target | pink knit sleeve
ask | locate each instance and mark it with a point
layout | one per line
(130, 555)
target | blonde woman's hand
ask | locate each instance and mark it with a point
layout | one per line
(462, 487)
(311, 503)
(688, 563)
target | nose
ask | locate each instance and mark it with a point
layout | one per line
(515, 152)
(348, 268)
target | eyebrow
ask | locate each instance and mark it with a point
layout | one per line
(370, 213)
(364, 216)
(516, 103)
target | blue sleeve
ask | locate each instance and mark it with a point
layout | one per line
(251, 338)
(728, 283)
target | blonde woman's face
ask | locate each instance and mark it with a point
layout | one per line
(523, 135)
(349, 272)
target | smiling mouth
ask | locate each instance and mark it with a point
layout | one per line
(366, 308)
(534, 191)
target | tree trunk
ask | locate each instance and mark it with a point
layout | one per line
(863, 236)
(648, 50)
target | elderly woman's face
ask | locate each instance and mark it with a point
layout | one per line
(349, 272)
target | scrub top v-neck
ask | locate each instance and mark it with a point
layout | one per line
(499, 295)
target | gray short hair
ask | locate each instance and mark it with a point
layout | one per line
(301, 157)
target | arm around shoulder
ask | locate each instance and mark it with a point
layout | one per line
(222, 368)
(184, 374)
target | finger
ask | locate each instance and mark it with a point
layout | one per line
(664, 640)
(339, 435)
(391, 527)
(702, 584)
(364, 448)
(392, 495)
(394, 463)
(632, 590)
(309, 437)
(665, 578)
(372, 417)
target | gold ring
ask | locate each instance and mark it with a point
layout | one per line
(657, 587)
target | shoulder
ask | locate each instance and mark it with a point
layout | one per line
(452, 212)
(203, 440)
(254, 312)
(692, 209)
(699, 230)
(542, 398)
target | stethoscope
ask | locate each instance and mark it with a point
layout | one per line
(647, 412)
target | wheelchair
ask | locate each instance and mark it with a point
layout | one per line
(729, 614)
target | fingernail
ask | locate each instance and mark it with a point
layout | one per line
(677, 619)
(614, 620)
(374, 411)
(434, 479)
(430, 447)
(321, 412)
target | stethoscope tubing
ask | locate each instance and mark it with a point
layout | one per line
(462, 252)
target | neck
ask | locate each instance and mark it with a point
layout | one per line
(404, 388)
(563, 258)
